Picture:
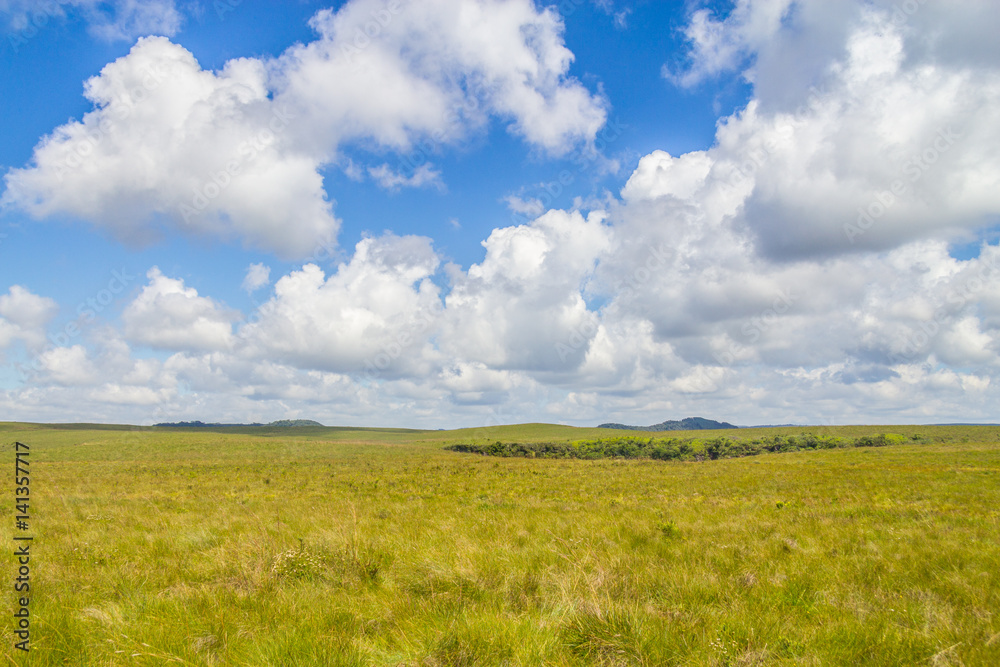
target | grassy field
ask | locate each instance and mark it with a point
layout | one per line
(378, 547)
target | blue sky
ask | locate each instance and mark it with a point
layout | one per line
(499, 211)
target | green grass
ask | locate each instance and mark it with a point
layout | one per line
(379, 547)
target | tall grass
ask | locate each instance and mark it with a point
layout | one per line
(363, 548)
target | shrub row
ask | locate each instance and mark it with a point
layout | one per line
(675, 449)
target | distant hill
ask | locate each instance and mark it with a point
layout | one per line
(294, 422)
(281, 423)
(688, 424)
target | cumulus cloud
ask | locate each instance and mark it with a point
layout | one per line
(68, 366)
(435, 71)
(24, 316)
(168, 315)
(172, 145)
(659, 174)
(915, 338)
(257, 276)
(238, 153)
(373, 315)
(523, 307)
(886, 148)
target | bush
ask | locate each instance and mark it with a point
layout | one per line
(675, 449)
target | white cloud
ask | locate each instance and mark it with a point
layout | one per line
(886, 149)
(436, 71)
(884, 155)
(907, 340)
(532, 207)
(116, 394)
(117, 20)
(68, 366)
(24, 316)
(199, 152)
(659, 174)
(523, 306)
(257, 276)
(721, 45)
(424, 175)
(374, 315)
(168, 315)
(129, 19)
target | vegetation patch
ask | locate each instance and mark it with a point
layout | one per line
(678, 449)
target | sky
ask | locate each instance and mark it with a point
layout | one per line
(453, 213)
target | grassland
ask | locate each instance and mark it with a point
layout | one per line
(378, 547)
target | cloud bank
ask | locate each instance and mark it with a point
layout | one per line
(799, 269)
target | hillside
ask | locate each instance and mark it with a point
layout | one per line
(687, 424)
(281, 423)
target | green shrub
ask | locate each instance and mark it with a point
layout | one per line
(676, 449)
